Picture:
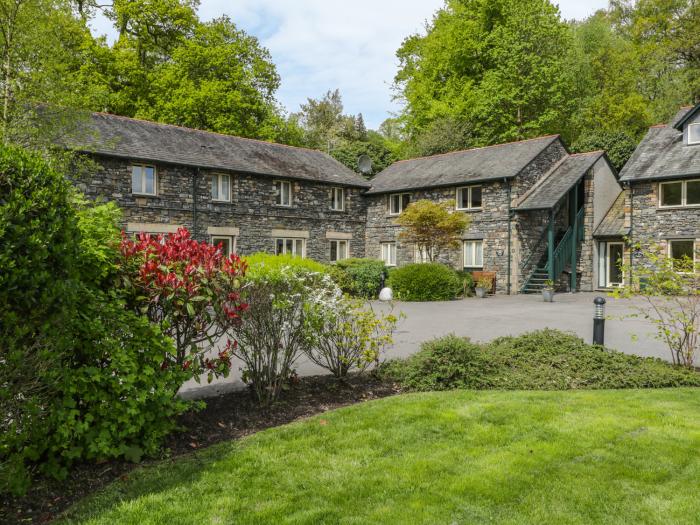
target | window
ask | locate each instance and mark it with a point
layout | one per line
(337, 199)
(473, 254)
(694, 133)
(339, 250)
(421, 256)
(228, 244)
(683, 254)
(680, 193)
(143, 179)
(389, 253)
(290, 247)
(221, 187)
(284, 193)
(398, 202)
(469, 198)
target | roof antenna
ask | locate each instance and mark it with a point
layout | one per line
(364, 163)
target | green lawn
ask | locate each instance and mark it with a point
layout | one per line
(628, 456)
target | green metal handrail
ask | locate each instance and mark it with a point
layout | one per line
(579, 221)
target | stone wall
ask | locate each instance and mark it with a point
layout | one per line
(252, 209)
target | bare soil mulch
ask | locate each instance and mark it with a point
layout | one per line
(226, 417)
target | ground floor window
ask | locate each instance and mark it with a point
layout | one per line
(682, 252)
(227, 242)
(339, 250)
(295, 247)
(610, 261)
(473, 254)
(389, 253)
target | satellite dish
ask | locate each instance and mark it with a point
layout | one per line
(365, 164)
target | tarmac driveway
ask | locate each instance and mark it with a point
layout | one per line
(486, 319)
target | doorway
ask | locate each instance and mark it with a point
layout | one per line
(610, 257)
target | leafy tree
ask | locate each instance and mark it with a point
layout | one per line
(618, 145)
(322, 120)
(432, 227)
(349, 152)
(442, 135)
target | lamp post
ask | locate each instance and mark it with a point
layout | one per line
(599, 321)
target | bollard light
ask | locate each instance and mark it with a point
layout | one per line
(599, 321)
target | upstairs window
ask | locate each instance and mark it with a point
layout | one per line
(398, 202)
(221, 187)
(337, 199)
(694, 133)
(143, 179)
(679, 193)
(469, 198)
(284, 193)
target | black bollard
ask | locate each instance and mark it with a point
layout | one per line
(599, 321)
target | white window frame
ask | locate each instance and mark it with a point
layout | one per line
(279, 197)
(458, 198)
(399, 196)
(338, 199)
(684, 194)
(469, 252)
(143, 191)
(218, 178)
(694, 124)
(388, 253)
(669, 242)
(338, 243)
(214, 240)
(294, 246)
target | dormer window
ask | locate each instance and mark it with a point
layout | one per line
(694, 133)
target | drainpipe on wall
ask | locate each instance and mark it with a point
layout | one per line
(631, 234)
(195, 176)
(510, 219)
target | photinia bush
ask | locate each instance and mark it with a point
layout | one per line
(191, 290)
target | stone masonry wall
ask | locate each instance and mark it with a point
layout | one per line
(252, 208)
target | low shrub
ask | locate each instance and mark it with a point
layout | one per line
(264, 262)
(425, 282)
(541, 360)
(467, 283)
(359, 277)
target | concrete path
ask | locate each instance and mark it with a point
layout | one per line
(486, 319)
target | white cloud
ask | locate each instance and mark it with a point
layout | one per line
(326, 44)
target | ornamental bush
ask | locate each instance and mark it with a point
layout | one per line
(541, 360)
(359, 277)
(425, 282)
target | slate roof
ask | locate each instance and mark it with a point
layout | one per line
(662, 155)
(613, 224)
(460, 167)
(553, 186)
(149, 141)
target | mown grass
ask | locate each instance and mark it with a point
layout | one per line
(577, 457)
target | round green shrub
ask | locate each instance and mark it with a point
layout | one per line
(425, 282)
(359, 277)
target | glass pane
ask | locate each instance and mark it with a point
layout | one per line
(682, 253)
(299, 248)
(150, 179)
(286, 194)
(392, 251)
(334, 250)
(476, 197)
(463, 197)
(225, 188)
(136, 179)
(405, 201)
(332, 198)
(394, 206)
(615, 263)
(671, 194)
(692, 192)
(289, 246)
(468, 260)
(694, 133)
(479, 254)
(342, 250)
(225, 244)
(279, 246)
(214, 187)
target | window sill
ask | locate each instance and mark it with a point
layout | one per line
(469, 209)
(217, 201)
(679, 207)
(151, 195)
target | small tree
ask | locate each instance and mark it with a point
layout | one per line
(671, 292)
(190, 289)
(432, 227)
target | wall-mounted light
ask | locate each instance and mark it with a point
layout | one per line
(638, 254)
(499, 253)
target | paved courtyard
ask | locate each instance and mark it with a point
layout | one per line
(486, 319)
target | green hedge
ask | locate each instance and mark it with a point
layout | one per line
(265, 261)
(542, 360)
(359, 277)
(425, 282)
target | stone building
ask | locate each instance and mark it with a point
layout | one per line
(660, 206)
(534, 206)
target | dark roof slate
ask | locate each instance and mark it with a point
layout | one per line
(662, 155)
(553, 186)
(460, 167)
(149, 141)
(613, 224)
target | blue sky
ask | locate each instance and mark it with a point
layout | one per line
(319, 45)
